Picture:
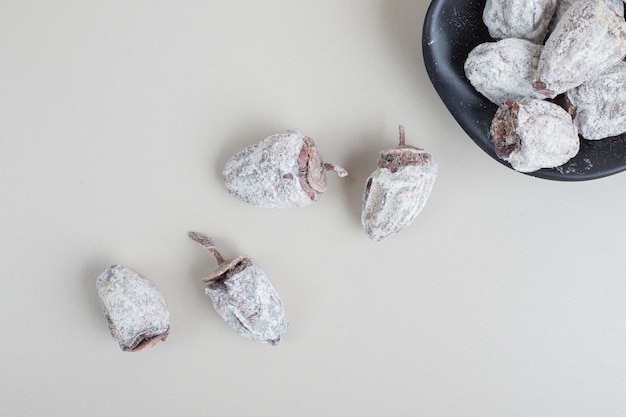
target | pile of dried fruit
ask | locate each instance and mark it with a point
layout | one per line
(551, 92)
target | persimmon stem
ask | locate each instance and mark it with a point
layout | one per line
(339, 170)
(402, 136)
(208, 244)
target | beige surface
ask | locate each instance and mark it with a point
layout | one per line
(504, 298)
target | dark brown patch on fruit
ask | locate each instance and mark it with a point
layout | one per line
(504, 130)
(542, 88)
(304, 166)
(397, 158)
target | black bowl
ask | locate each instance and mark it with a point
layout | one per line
(452, 28)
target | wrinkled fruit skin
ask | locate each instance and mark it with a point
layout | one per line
(599, 105)
(503, 70)
(532, 134)
(281, 171)
(397, 191)
(522, 19)
(246, 300)
(588, 39)
(243, 296)
(135, 310)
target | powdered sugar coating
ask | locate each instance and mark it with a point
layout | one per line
(532, 134)
(266, 173)
(504, 70)
(588, 39)
(243, 296)
(280, 171)
(135, 310)
(248, 302)
(526, 19)
(393, 198)
(599, 105)
(563, 5)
